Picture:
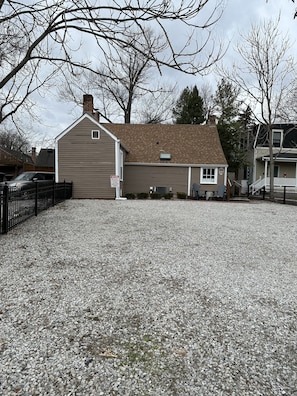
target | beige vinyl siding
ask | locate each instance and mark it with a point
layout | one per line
(87, 162)
(139, 178)
(207, 187)
(288, 168)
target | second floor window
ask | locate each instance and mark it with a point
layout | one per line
(277, 138)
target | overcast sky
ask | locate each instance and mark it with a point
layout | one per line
(237, 18)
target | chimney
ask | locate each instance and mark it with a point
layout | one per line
(33, 154)
(212, 120)
(88, 107)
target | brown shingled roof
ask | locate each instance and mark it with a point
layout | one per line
(187, 144)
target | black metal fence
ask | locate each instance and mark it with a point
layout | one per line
(285, 195)
(16, 206)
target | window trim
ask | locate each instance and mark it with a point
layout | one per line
(205, 180)
(93, 134)
(281, 132)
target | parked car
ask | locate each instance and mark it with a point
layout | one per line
(2, 177)
(26, 180)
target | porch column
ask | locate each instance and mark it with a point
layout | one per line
(225, 176)
(265, 172)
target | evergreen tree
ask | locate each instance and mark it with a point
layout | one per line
(229, 125)
(247, 130)
(189, 108)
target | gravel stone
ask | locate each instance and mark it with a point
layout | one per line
(157, 298)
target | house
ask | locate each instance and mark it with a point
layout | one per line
(105, 160)
(45, 161)
(13, 162)
(285, 157)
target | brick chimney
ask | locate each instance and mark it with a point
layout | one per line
(33, 154)
(212, 120)
(88, 107)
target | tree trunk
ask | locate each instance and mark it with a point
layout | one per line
(271, 160)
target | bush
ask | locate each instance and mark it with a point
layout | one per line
(168, 195)
(142, 195)
(181, 195)
(156, 195)
(130, 196)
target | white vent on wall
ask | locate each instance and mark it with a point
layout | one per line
(165, 156)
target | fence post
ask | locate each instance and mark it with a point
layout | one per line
(284, 198)
(264, 191)
(54, 194)
(5, 210)
(36, 198)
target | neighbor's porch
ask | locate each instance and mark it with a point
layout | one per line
(285, 175)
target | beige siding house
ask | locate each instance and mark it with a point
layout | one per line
(171, 157)
(139, 157)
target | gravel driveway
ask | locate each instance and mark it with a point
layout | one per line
(183, 298)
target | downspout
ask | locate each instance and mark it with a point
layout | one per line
(56, 162)
(117, 166)
(189, 180)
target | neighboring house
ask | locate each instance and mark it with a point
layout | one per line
(45, 161)
(144, 158)
(285, 157)
(14, 162)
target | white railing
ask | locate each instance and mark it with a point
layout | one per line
(278, 182)
(284, 181)
(256, 186)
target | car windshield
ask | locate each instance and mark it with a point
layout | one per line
(25, 176)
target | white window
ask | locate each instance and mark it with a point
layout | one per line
(96, 134)
(208, 175)
(277, 137)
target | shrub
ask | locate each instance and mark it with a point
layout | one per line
(156, 195)
(168, 195)
(181, 195)
(130, 196)
(142, 195)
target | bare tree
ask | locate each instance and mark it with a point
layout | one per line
(206, 93)
(38, 38)
(125, 75)
(289, 110)
(264, 73)
(157, 107)
(14, 141)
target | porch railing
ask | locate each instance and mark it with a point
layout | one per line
(278, 182)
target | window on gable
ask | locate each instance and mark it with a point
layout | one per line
(208, 175)
(277, 137)
(96, 134)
